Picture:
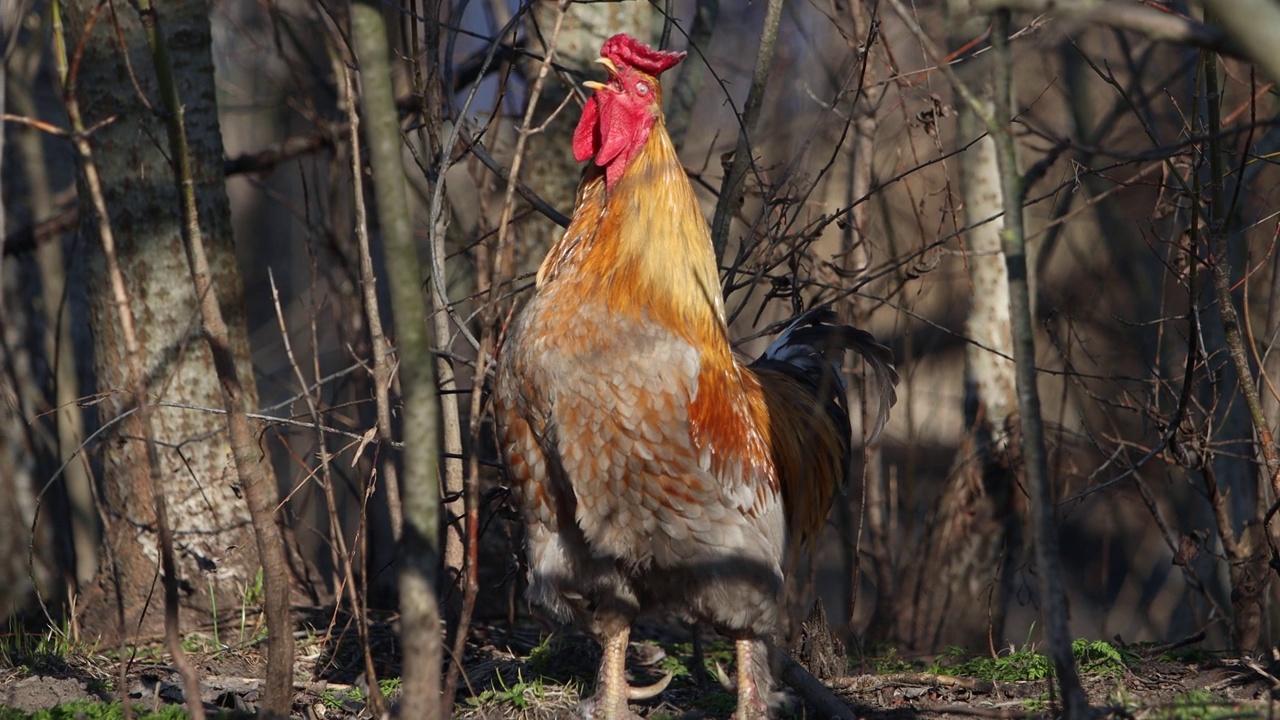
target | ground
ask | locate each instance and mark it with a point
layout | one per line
(533, 672)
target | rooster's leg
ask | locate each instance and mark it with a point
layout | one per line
(753, 664)
(612, 690)
(610, 700)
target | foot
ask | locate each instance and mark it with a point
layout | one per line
(597, 708)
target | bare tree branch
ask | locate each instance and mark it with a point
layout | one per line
(1155, 24)
(1044, 526)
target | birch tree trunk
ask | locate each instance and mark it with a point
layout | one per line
(213, 536)
(974, 526)
(550, 168)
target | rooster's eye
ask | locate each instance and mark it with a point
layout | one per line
(642, 88)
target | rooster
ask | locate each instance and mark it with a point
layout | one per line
(655, 469)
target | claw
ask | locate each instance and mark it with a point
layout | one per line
(644, 692)
(723, 678)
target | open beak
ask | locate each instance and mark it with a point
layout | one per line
(609, 67)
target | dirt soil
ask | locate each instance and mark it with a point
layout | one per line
(531, 673)
(1183, 684)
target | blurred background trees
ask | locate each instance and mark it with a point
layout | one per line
(1148, 137)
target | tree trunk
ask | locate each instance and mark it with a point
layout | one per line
(972, 530)
(30, 167)
(419, 548)
(550, 168)
(34, 543)
(212, 533)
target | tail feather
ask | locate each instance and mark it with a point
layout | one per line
(811, 349)
(808, 417)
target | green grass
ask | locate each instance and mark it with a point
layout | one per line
(677, 665)
(1188, 655)
(551, 676)
(519, 695)
(887, 662)
(1017, 666)
(542, 656)
(1101, 658)
(334, 699)
(1095, 658)
(198, 643)
(1036, 704)
(389, 686)
(28, 651)
(1198, 705)
(680, 661)
(252, 595)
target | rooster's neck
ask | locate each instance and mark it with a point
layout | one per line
(643, 246)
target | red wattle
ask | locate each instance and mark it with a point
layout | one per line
(612, 131)
(616, 133)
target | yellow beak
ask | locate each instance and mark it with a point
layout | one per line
(609, 67)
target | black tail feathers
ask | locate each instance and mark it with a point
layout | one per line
(811, 350)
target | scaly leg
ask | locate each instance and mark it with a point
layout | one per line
(610, 699)
(752, 659)
(612, 691)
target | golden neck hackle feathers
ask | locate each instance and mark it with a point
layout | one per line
(643, 246)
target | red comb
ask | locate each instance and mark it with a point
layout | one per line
(623, 49)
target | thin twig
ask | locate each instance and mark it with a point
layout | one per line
(1249, 577)
(999, 120)
(1035, 463)
(381, 371)
(342, 556)
(477, 148)
(440, 295)
(501, 268)
(1150, 22)
(1221, 267)
(688, 85)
